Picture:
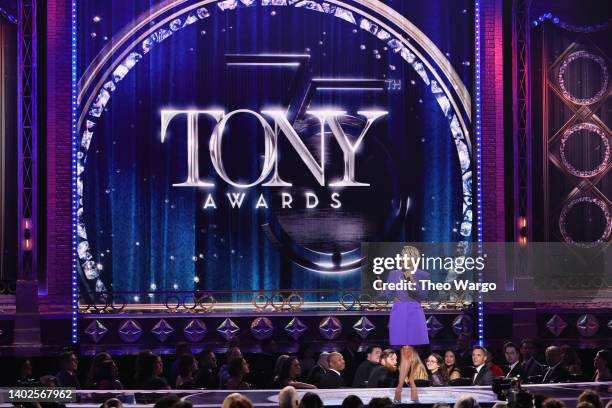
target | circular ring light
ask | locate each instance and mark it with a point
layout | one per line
(604, 139)
(604, 74)
(588, 200)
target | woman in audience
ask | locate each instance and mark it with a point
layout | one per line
(238, 369)
(186, 370)
(450, 365)
(92, 374)
(603, 366)
(107, 376)
(280, 361)
(435, 366)
(571, 360)
(289, 373)
(149, 371)
(417, 369)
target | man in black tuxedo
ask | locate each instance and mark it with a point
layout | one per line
(385, 375)
(556, 372)
(316, 373)
(530, 365)
(483, 376)
(333, 377)
(207, 376)
(360, 380)
(514, 368)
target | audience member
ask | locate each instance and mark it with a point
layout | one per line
(483, 375)
(182, 348)
(207, 375)
(603, 366)
(570, 360)
(167, 401)
(290, 372)
(496, 370)
(385, 374)
(514, 367)
(437, 375)
(311, 400)
(591, 397)
(237, 370)
(306, 355)
(352, 357)
(278, 366)
(25, 378)
(188, 366)
(236, 400)
(92, 373)
(553, 403)
(107, 376)
(531, 367)
(182, 404)
(556, 371)
(450, 365)
(316, 372)
(233, 352)
(380, 402)
(440, 405)
(288, 398)
(262, 364)
(112, 403)
(333, 377)
(149, 371)
(467, 401)
(463, 350)
(365, 368)
(67, 376)
(585, 404)
(417, 369)
(352, 401)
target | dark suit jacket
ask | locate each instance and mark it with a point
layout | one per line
(363, 373)
(516, 371)
(532, 368)
(484, 377)
(314, 375)
(381, 377)
(556, 374)
(332, 379)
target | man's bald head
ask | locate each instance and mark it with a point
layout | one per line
(553, 355)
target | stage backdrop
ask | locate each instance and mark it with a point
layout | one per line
(254, 144)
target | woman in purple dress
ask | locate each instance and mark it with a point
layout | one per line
(407, 325)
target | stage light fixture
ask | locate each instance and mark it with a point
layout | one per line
(478, 131)
(73, 77)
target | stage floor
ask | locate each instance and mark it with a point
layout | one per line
(427, 395)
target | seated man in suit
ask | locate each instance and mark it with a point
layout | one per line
(385, 375)
(514, 368)
(333, 377)
(556, 372)
(365, 368)
(479, 358)
(316, 373)
(530, 365)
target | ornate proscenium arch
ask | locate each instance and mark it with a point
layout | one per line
(399, 35)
